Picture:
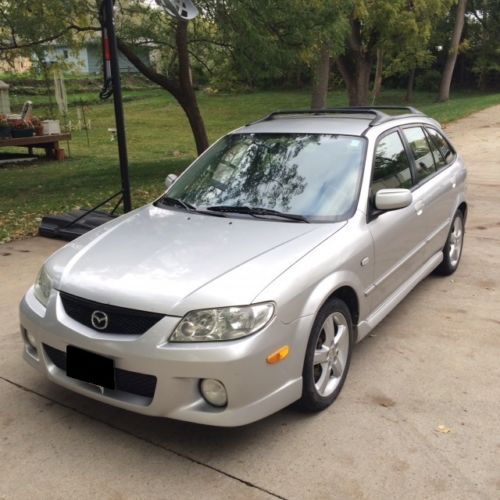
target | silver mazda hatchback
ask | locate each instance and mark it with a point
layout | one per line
(246, 285)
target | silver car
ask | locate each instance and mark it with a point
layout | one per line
(246, 285)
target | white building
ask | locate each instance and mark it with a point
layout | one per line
(88, 59)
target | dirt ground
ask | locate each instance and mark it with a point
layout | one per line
(433, 365)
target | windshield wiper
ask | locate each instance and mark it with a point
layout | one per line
(257, 211)
(168, 200)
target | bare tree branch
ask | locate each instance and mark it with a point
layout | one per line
(168, 84)
(15, 45)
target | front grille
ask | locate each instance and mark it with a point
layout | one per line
(121, 321)
(126, 381)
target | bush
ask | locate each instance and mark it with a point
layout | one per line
(429, 80)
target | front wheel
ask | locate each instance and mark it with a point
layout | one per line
(452, 250)
(327, 357)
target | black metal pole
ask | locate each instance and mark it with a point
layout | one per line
(118, 102)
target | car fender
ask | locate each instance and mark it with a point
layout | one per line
(305, 287)
(327, 287)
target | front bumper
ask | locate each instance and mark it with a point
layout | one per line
(255, 389)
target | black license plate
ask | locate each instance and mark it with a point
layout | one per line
(90, 367)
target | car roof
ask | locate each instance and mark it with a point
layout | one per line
(342, 121)
(345, 125)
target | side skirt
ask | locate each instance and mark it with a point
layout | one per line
(366, 326)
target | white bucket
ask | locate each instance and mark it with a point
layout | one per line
(51, 127)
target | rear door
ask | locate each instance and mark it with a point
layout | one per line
(398, 235)
(434, 186)
(448, 180)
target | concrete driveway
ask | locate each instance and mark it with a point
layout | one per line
(433, 362)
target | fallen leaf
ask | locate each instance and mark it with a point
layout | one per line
(443, 429)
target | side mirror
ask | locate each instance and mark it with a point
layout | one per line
(393, 199)
(169, 180)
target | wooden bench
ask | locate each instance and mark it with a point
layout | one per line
(48, 142)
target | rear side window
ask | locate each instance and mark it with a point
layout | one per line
(442, 145)
(392, 166)
(438, 157)
(422, 154)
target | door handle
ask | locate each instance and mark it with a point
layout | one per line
(419, 207)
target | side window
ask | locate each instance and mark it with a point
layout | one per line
(442, 144)
(438, 157)
(392, 166)
(419, 146)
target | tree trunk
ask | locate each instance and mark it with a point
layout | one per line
(355, 66)
(363, 83)
(409, 87)
(444, 90)
(377, 84)
(189, 102)
(181, 88)
(356, 75)
(321, 79)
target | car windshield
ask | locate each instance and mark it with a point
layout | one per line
(315, 176)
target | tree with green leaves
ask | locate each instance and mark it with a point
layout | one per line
(325, 42)
(25, 24)
(142, 24)
(139, 22)
(263, 42)
(389, 27)
(410, 49)
(483, 28)
(267, 43)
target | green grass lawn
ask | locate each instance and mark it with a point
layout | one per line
(159, 142)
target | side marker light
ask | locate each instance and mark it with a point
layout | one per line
(278, 355)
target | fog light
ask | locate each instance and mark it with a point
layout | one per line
(214, 392)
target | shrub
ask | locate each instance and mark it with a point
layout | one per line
(429, 80)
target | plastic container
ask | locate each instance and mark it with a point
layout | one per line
(51, 127)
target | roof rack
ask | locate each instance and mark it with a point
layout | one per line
(379, 116)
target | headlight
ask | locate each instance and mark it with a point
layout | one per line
(228, 323)
(43, 286)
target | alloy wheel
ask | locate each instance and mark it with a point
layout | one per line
(331, 354)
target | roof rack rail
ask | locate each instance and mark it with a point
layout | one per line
(411, 110)
(379, 116)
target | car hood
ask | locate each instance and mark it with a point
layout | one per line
(169, 261)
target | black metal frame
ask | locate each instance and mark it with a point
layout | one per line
(70, 226)
(94, 209)
(110, 51)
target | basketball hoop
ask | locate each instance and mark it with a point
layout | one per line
(179, 9)
(72, 225)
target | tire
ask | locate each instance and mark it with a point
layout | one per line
(328, 356)
(452, 250)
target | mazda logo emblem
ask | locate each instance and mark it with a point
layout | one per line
(99, 320)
